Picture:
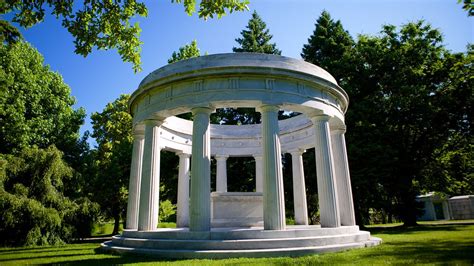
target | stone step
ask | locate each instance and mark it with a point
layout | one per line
(241, 244)
(240, 233)
(219, 254)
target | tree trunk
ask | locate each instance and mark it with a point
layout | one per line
(116, 224)
(410, 209)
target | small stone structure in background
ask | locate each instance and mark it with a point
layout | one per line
(437, 206)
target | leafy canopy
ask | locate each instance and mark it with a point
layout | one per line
(36, 107)
(185, 52)
(112, 129)
(34, 209)
(101, 24)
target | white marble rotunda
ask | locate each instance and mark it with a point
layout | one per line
(222, 224)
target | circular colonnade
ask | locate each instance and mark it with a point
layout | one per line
(233, 224)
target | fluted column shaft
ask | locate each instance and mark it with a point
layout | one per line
(133, 204)
(343, 180)
(221, 173)
(299, 188)
(182, 212)
(327, 191)
(273, 195)
(258, 173)
(200, 202)
(150, 187)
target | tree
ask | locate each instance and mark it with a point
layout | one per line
(410, 113)
(188, 51)
(102, 24)
(36, 107)
(452, 166)
(256, 39)
(468, 6)
(397, 87)
(328, 46)
(33, 206)
(112, 129)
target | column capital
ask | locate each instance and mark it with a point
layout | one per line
(320, 117)
(257, 156)
(221, 157)
(202, 110)
(296, 152)
(268, 108)
(138, 131)
(153, 122)
(341, 129)
(183, 154)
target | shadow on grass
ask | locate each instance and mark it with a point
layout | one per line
(43, 250)
(44, 257)
(117, 260)
(434, 251)
(414, 229)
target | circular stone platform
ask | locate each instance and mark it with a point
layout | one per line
(240, 242)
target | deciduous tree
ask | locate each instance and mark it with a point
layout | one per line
(112, 129)
(102, 24)
(36, 106)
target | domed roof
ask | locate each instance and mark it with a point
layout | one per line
(234, 63)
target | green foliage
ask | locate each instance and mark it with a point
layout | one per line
(36, 107)
(34, 209)
(207, 9)
(256, 39)
(9, 34)
(167, 210)
(411, 101)
(185, 52)
(113, 133)
(467, 5)
(328, 46)
(101, 24)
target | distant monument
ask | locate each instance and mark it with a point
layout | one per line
(226, 224)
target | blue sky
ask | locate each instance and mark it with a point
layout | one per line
(102, 76)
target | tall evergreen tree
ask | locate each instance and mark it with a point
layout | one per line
(256, 39)
(328, 46)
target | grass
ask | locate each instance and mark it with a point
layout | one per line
(429, 243)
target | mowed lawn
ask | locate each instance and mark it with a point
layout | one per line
(447, 242)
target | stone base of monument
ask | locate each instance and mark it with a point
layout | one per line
(240, 242)
(236, 209)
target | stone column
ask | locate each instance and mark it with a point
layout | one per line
(135, 178)
(221, 173)
(182, 213)
(200, 202)
(299, 188)
(258, 173)
(327, 190)
(343, 180)
(150, 187)
(273, 195)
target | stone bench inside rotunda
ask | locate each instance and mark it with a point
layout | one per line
(236, 209)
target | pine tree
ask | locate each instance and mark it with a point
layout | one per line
(256, 39)
(328, 46)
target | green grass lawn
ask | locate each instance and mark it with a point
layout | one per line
(445, 243)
